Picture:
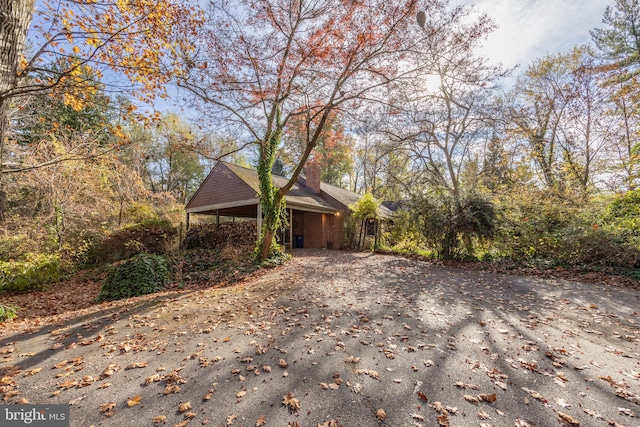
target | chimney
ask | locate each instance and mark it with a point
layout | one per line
(312, 175)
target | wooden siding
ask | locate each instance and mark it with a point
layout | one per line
(221, 186)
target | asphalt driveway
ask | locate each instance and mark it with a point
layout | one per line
(344, 339)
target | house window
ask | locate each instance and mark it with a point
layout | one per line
(370, 227)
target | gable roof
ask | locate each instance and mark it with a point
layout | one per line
(232, 187)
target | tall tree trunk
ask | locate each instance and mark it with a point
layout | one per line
(15, 18)
(271, 197)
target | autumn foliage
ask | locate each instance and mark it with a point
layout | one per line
(136, 39)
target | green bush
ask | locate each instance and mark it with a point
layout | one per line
(8, 312)
(624, 214)
(141, 275)
(597, 247)
(550, 231)
(32, 273)
(450, 224)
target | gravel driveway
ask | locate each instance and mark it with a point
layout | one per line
(344, 339)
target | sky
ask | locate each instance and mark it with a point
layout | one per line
(530, 29)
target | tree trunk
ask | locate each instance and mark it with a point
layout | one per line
(15, 18)
(271, 198)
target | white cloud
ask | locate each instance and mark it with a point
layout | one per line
(529, 29)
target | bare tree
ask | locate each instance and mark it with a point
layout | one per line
(443, 116)
(263, 63)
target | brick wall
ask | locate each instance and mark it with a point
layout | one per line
(323, 230)
(314, 233)
(312, 175)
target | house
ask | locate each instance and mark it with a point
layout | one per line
(317, 212)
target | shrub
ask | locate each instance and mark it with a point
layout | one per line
(596, 247)
(141, 275)
(448, 223)
(154, 238)
(8, 312)
(551, 231)
(624, 214)
(210, 236)
(32, 273)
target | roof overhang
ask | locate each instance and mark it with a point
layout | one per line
(307, 208)
(220, 206)
(210, 209)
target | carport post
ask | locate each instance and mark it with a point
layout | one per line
(188, 220)
(291, 229)
(259, 221)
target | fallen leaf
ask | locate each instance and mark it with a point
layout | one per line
(443, 420)
(535, 395)
(241, 393)
(76, 400)
(462, 385)
(381, 414)
(291, 402)
(471, 399)
(31, 372)
(483, 415)
(439, 407)
(626, 411)
(422, 396)
(487, 397)
(107, 407)
(184, 407)
(152, 379)
(109, 371)
(134, 401)
(261, 421)
(592, 413)
(231, 418)
(567, 420)
(524, 423)
(282, 363)
(561, 402)
(417, 417)
(159, 419)
(137, 365)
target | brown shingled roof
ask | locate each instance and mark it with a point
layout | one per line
(331, 199)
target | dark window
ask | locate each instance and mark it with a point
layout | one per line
(371, 227)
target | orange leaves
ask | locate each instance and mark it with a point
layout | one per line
(130, 37)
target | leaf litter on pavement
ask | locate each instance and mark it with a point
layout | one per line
(447, 347)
